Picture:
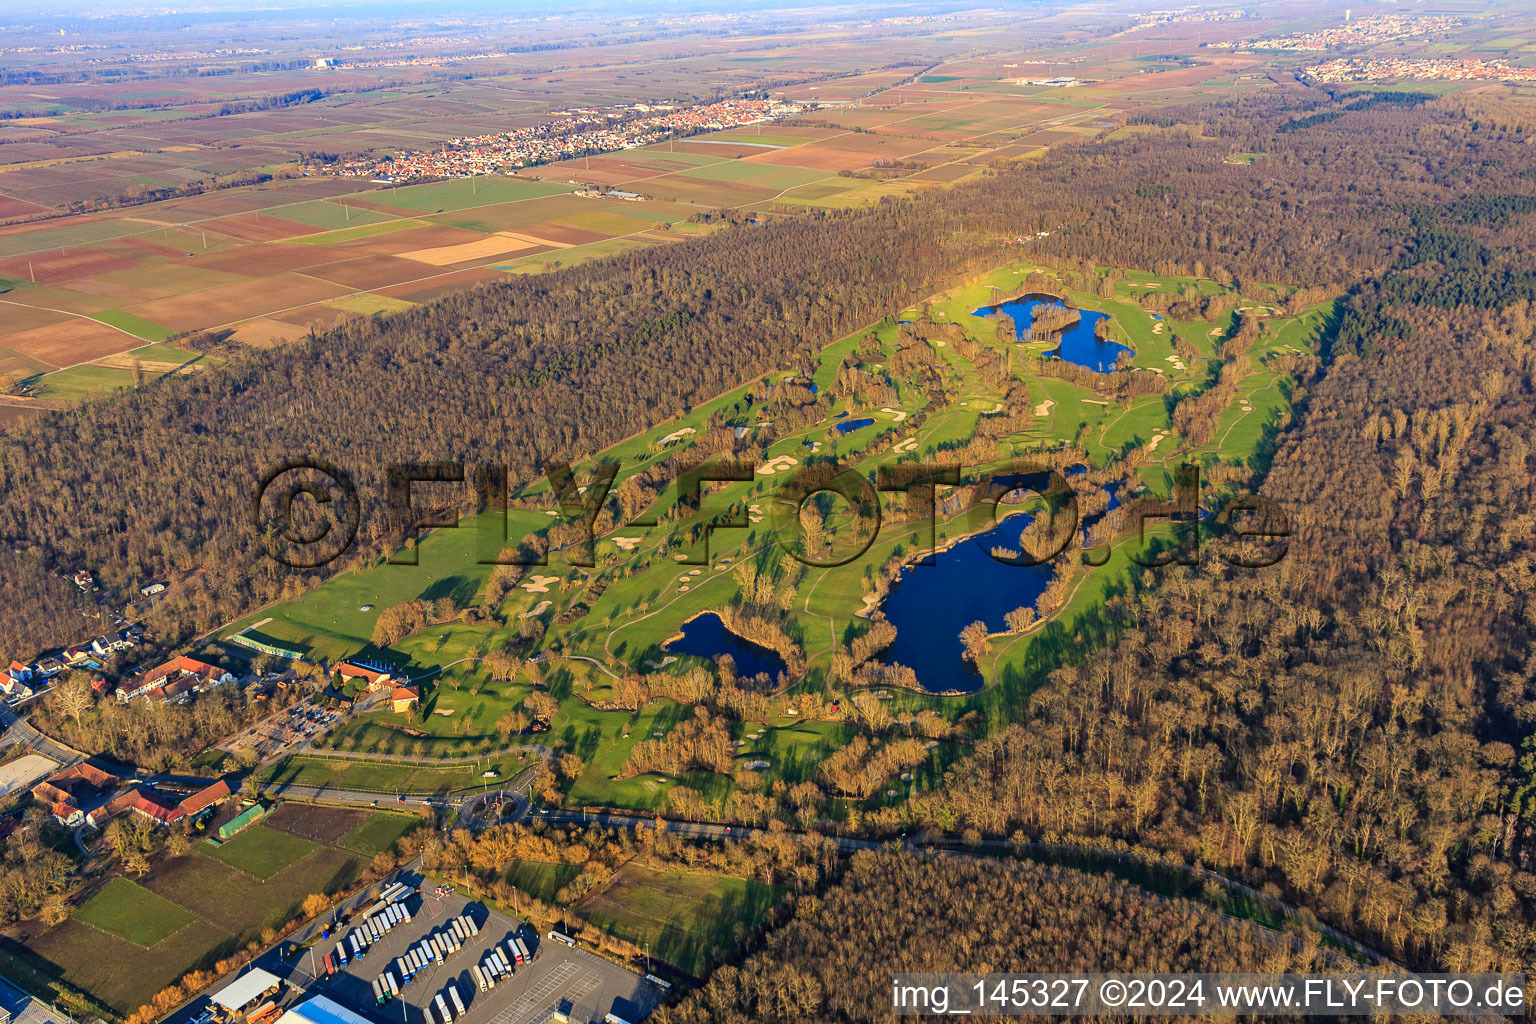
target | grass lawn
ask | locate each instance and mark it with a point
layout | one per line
(367, 303)
(379, 833)
(129, 910)
(464, 193)
(261, 851)
(135, 325)
(541, 879)
(385, 777)
(79, 382)
(692, 919)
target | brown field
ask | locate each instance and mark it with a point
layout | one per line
(10, 207)
(329, 825)
(143, 283)
(560, 235)
(366, 273)
(426, 291)
(1181, 77)
(59, 266)
(256, 227)
(16, 318)
(75, 341)
(432, 237)
(234, 302)
(319, 316)
(264, 332)
(264, 260)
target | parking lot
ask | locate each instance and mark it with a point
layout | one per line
(289, 728)
(579, 984)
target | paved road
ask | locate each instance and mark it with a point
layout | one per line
(19, 732)
(471, 807)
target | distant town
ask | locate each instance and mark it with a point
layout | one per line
(576, 133)
(1369, 31)
(1438, 70)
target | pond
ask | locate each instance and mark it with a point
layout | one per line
(1078, 343)
(705, 636)
(930, 604)
(849, 426)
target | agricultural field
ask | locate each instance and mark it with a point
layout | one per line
(264, 264)
(191, 911)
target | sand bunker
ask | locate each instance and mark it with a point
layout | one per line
(1095, 401)
(537, 609)
(539, 584)
(909, 445)
(627, 543)
(676, 435)
(1152, 444)
(753, 766)
(774, 465)
(897, 415)
(1044, 407)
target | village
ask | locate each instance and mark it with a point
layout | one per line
(577, 133)
(1429, 70)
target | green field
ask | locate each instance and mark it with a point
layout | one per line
(692, 919)
(767, 175)
(386, 778)
(379, 833)
(135, 325)
(131, 911)
(261, 851)
(80, 382)
(462, 194)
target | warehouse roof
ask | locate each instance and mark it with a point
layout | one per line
(243, 990)
(321, 1010)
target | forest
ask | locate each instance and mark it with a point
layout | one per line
(557, 366)
(893, 912)
(1353, 729)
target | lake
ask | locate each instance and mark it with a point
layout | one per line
(1078, 343)
(705, 636)
(931, 604)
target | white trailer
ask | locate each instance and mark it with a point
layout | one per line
(375, 931)
(437, 947)
(489, 970)
(406, 971)
(389, 979)
(453, 997)
(417, 960)
(458, 930)
(442, 1009)
(426, 952)
(513, 957)
(406, 911)
(469, 923)
(502, 962)
(480, 977)
(357, 945)
(378, 992)
(523, 949)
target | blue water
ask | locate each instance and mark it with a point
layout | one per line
(931, 604)
(1078, 344)
(848, 426)
(707, 637)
